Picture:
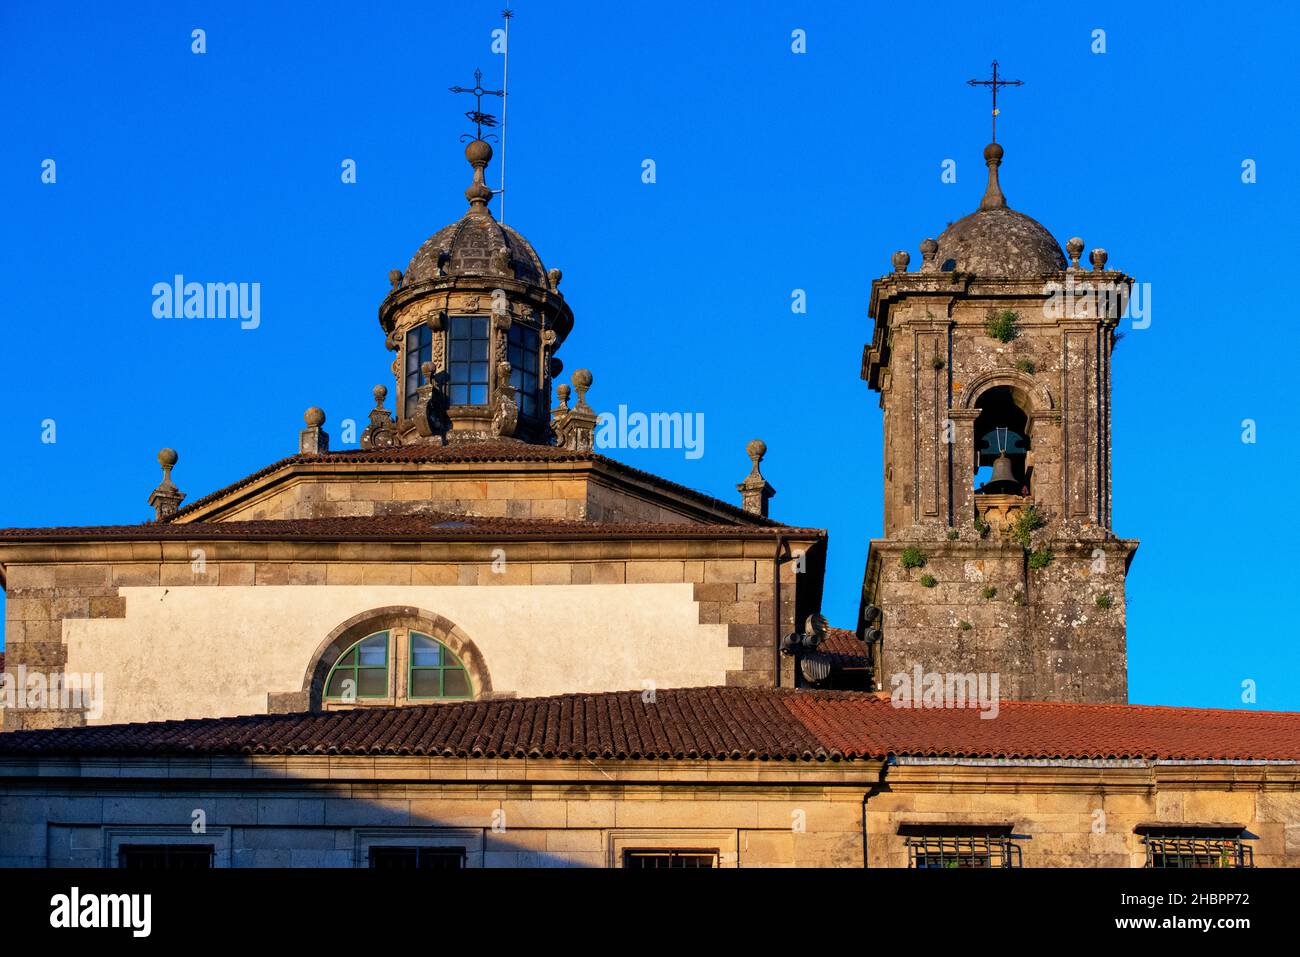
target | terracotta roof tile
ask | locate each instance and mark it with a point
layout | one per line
(709, 723)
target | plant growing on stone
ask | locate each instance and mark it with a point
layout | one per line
(989, 592)
(1104, 600)
(1002, 324)
(1027, 522)
(964, 625)
(929, 581)
(1026, 366)
(954, 535)
(937, 361)
(1041, 558)
(912, 557)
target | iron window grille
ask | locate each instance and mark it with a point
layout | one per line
(654, 859)
(166, 857)
(958, 845)
(1197, 848)
(417, 858)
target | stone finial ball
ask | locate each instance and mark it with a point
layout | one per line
(562, 390)
(167, 458)
(395, 276)
(477, 151)
(993, 152)
(314, 417)
(757, 448)
(380, 393)
(555, 275)
(900, 260)
(1098, 258)
(1074, 247)
(928, 248)
(582, 379)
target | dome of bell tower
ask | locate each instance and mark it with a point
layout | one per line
(996, 240)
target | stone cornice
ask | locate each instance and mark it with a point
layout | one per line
(340, 772)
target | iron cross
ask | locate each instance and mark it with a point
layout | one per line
(476, 115)
(994, 84)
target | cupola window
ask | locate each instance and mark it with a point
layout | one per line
(469, 360)
(419, 350)
(524, 345)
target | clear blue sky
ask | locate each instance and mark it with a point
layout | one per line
(775, 172)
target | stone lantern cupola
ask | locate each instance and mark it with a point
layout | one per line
(475, 322)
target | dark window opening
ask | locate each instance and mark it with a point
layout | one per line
(165, 857)
(1003, 462)
(524, 347)
(417, 858)
(655, 859)
(469, 360)
(419, 350)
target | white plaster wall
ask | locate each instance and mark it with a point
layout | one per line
(200, 651)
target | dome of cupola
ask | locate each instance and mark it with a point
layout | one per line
(476, 244)
(996, 241)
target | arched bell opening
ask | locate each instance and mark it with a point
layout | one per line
(1003, 449)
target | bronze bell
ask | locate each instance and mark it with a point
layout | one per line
(1002, 470)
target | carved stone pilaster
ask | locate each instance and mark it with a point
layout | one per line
(505, 411)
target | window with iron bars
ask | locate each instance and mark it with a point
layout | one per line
(1191, 847)
(930, 845)
(665, 859)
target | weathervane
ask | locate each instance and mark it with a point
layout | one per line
(476, 115)
(994, 84)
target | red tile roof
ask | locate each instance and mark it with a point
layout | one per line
(471, 452)
(710, 723)
(425, 526)
(841, 641)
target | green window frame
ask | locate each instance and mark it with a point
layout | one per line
(434, 673)
(365, 663)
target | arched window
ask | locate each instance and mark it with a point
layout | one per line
(388, 657)
(435, 672)
(361, 671)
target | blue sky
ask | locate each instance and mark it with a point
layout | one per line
(775, 172)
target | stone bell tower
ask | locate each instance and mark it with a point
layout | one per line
(475, 321)
(993, 364)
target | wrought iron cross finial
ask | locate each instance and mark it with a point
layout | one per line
(476, 115)
(993, 84)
